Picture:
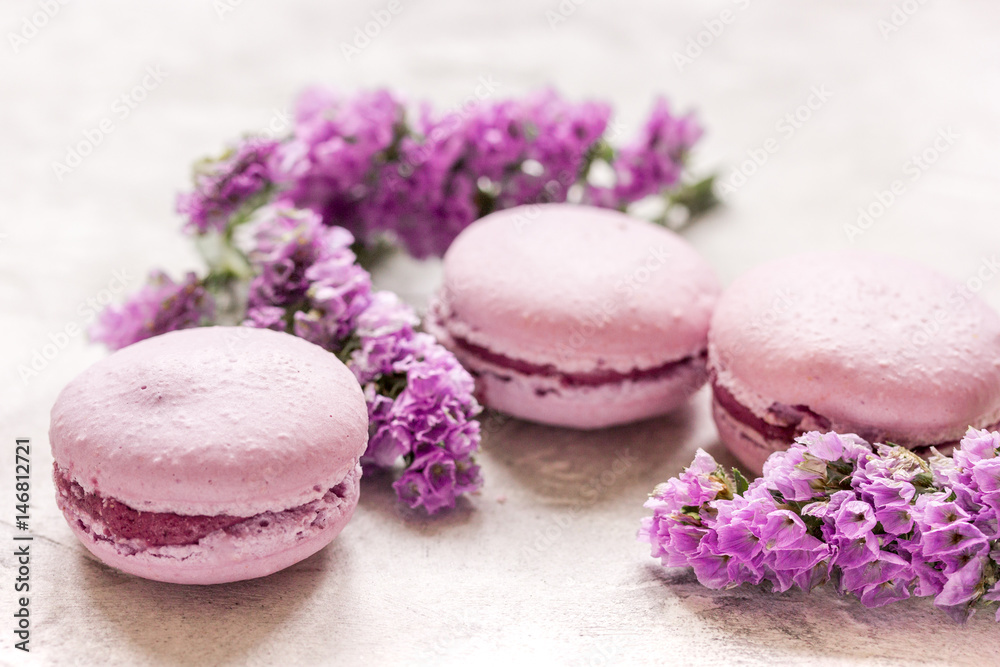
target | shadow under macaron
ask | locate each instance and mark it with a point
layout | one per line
(204, 625)
(796, 626)
(569, 466)
(378, 496)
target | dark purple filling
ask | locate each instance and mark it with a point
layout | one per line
(156, 529)
(790, 416)
(587, 379)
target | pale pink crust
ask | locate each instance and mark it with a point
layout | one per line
(215, 420)
(578, 287)
(579, 291)
(875, 345)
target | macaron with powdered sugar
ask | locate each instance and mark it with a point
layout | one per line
(576, 316)
(209, 455)
(855, 343)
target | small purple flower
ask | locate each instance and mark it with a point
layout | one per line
(888, 492)
(855, 519)
(438, 468)
(855, 552)
(895, 520)
(468, 476)
(824, 446)
(893, 463)
(952, 539)
(674, 540)
(160, 306)
(879, 595)
(783, 530)
(930, 577)
(266, 317)
(794, 473)
(935, 513)
(798, 565)
(976, 446)
(222, 187)
(712, 569)
(411, 488)
(829, 507)
(653, 162)
(885, 568)
(986, 473)
(961, 588)
(739, 540)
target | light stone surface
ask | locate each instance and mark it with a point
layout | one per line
(537, 569)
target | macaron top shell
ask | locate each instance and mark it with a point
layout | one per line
(578, 287)
(206, 421)
(860, 338)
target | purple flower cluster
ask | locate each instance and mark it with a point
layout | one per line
(224, 186)
(160, 306)
(306, 277)
(306, 281)
(880, 523)
(357, 163)
(329, 163)
(420, 406)
(420, 399)
(371, 165)
(652, 163)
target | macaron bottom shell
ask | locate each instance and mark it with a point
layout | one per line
(245, 551)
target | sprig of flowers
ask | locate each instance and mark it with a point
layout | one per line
(302, 277)
(879, 523)
(279, 223)
(378, 168)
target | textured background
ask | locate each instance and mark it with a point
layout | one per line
(543, 566)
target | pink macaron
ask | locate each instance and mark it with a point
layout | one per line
(852, 342)
(209, 455)
(576, 316)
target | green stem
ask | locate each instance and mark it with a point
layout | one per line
(696, 199)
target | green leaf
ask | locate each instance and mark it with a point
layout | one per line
(741, 482)
(696, 198)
